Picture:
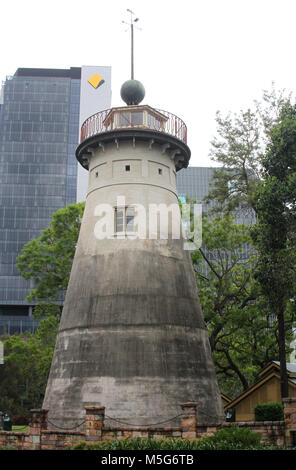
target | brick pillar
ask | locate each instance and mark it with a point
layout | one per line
(290, 420)
(38, 423)
(189, 420)
(94, 422)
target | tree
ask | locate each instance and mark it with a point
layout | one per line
(275, 232)
(47, 260)
(238, 149)
(27, 360)
(241, 331)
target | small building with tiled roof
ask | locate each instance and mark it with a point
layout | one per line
(266, 389)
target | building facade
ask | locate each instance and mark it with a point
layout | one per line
(40, 117)
(194, 182)
(266, 390)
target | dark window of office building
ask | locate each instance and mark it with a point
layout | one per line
(14, 310)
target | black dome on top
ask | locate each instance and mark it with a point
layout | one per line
(132, 92)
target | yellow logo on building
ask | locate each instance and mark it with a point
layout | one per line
(96, 80)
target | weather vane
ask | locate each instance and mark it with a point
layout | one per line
(131, 24)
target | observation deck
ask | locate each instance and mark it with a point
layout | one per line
(136, 123)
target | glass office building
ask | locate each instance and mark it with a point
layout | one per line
(194, 182)
(39, 120)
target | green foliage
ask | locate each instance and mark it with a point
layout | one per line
(256, 152)
(274, 234)
(138, 444)
(272, 411)
(232, 438)
(27, 360)
(21, 428)
(238, 148)
(8, 448)
(47, 260)
(241, 336)
(47, 309)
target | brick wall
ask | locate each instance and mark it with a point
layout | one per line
(290, 420)
(39, 437)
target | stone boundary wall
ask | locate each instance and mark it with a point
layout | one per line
(40, 438)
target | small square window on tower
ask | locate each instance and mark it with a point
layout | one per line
(127, 168)
(160, 171)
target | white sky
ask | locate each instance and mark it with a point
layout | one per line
(193, 57)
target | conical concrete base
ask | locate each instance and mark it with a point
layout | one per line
(137, 346)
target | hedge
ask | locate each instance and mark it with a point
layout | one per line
(232, 438)
(271, 411)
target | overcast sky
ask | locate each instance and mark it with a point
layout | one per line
(193, 57)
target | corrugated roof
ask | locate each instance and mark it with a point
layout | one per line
(291, 366)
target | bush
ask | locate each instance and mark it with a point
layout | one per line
(272, 411)
(139, 444)
(233, 438)
(8, 448)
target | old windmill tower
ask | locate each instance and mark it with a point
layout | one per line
(132, 336)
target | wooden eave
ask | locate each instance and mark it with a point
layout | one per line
(271, 365)
(225, 397)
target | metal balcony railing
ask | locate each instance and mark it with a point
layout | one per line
(154, 119)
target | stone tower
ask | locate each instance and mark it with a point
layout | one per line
(132, 336)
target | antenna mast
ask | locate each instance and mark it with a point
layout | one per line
(131, 24)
